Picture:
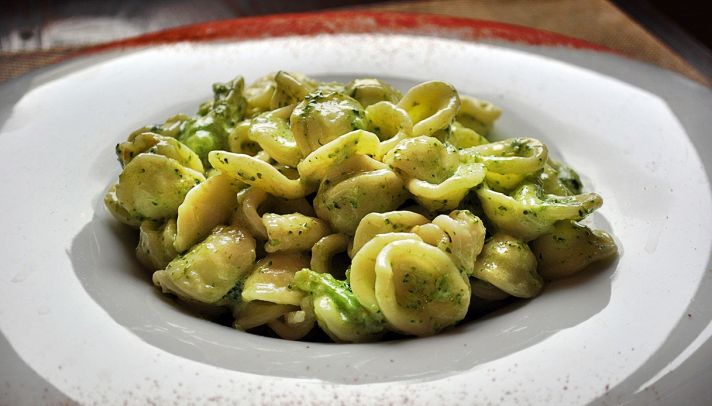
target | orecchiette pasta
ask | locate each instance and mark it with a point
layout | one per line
(292, 203)
(211, 268)
(206, 206)
(271, 279)
(419, 289)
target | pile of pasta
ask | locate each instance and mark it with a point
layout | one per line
(249, 204)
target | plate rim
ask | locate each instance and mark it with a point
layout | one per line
(349, 22)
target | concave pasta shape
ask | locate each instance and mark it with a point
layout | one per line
(206, 206)
(507, 263)
(153, 186)
(370, 91)
(247, 215)
(160, 145)
(314, 167)
(373, 224)
(434, 175)
(462, 137)
(325, 249)
(462, 237)
(343, 204)
(419, 289)
(510, 156)
(272, 277)
(478, 115)
(290, 88)
(294, 325)
(238, 140)
(211, 268)
(271, 131)
(155, 244)
(448, 194)
(569, 248)
(362, 275)
(529, 213)
(258, 173)
(293, 232)
(323, 116)
(113, 205)
(432, 106)
(391, 123)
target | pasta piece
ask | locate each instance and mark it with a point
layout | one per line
(211, 268)
(247, 215)
(271, 131)
(373, 224)
(569, 248)
(432, 106)
(253, 202)
(559, 179)
(391, 123)
(289, 89)
(448, 194)
(462, 137)
(112, 204)
(359, 142)
(258, 173)
(249, 315)
(293, 232)
(321, 117)
(170, 128)
(465, 237)
(337, 310)
(296, 324)
(362, 275)
(418, 288)
(432, 234)
(423, 158)
(258, 96)
(271, 279)
(239, 142)
(515, 155)
(159, 145)
(478, 115)
(508, 263)
(529, 213)
(206, 206)
(343, 203)
(371, 91)
(504, 183)
(155, 245)
(325, 249)
(435, 176)
(153, 186)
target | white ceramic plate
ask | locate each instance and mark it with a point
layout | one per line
(81, 321)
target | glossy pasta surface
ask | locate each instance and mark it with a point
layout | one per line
(349, 211)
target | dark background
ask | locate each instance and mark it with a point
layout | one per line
(683, 25)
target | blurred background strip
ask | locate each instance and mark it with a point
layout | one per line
(40, 32)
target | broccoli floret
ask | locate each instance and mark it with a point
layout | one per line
(337, 310)
(216, 119)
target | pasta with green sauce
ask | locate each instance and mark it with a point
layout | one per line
(350, 208)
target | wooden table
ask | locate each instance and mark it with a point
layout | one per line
(46, 36)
